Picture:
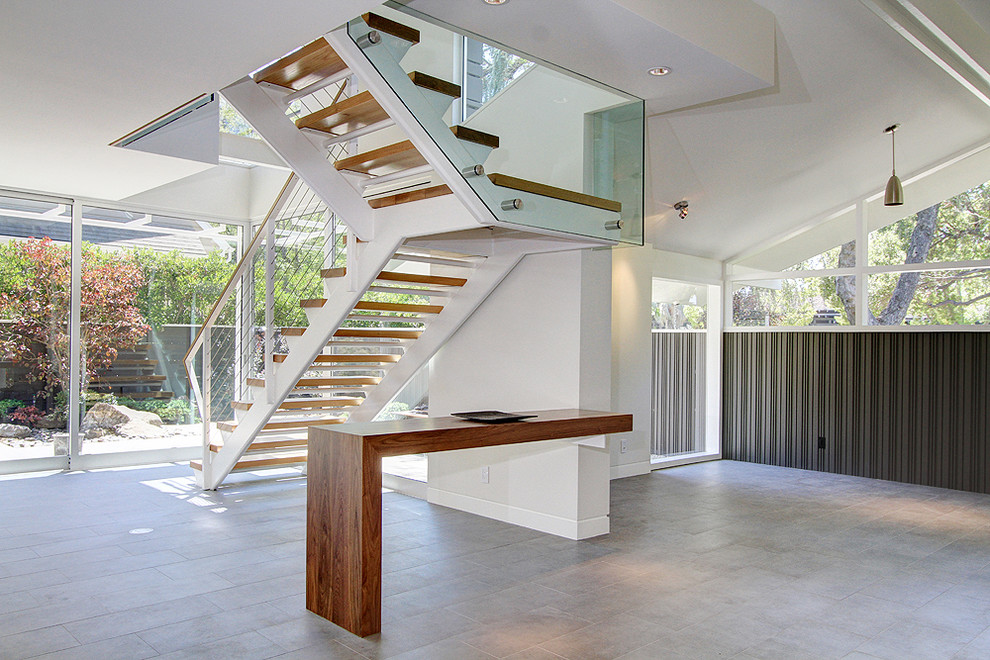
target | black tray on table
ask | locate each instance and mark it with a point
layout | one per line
(491, 416)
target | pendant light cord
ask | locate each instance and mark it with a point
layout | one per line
(893, 155)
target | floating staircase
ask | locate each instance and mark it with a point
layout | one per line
(378, 329)
(405, 290)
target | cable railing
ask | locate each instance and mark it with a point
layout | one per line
(282, 265)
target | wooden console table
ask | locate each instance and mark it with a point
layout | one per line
(344, 505)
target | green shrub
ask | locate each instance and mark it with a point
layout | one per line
(7, 405)
(172, 411)
(26, 415)
(391, 412)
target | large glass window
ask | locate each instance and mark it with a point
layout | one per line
(147, 283)
(35, 279)
(141, 286)
(957, 229)
(792, 302)
(931, 297)
(929, 268)
(685, 370)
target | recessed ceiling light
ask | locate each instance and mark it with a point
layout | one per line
(659, 71)
(496, 2)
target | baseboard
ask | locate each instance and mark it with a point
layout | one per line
(404, 485)
(685, 460)
(542, 522)
(37, 464)
(630, 470)
(135, 458)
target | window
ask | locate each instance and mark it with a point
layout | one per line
(145, 282)
(929, 268)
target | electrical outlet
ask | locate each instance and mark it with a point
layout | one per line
(623, 445)
(484, 475)
(821, 442)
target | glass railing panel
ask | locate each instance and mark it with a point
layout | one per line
(580, 141)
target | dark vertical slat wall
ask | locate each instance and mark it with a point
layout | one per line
(900, 406)
(678, 392)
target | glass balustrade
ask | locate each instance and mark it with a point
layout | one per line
(570, 150)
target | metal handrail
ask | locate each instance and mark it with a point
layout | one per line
(295, 203)
(242, 266)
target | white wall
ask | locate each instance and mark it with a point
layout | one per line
(528, 148)
(541, 341)
(632, 287)
(633, 270)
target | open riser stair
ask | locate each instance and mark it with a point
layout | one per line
(133, 374)
(401, 292)
(354, 359)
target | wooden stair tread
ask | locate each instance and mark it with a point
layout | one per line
(149, 378)
(345, 116)
(405, 319)
(261, 461)
(385, 287)
(476, 136)
(384, 160)
(324, 382)
(305, 66)
(291, 332)
(133, 363)
(458, 262)
(266, 445)
(514, 183)
(162, 394)
(394, 28)
(362, 110)
(393, 333)
(410, 196)
(346, 358)
(307, 404)
(280, 426)
(432, 83)
(373, 306)
(411, 278)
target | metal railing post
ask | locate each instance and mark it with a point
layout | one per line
(270, 253)
(207, 405)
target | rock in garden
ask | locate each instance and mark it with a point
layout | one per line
(14, 431)
(51, 421)
(106, 419)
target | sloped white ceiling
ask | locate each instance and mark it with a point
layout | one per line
(78, 75)
(716, 48)
(756, 155)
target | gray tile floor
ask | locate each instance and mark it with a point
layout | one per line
(715, 560)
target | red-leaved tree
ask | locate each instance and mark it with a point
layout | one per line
(36, 306)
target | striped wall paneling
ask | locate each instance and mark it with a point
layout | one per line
(910, 407)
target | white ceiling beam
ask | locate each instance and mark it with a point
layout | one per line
(939, 31)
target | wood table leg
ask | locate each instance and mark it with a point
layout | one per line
(344, 532)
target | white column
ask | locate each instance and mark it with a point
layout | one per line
(75, 330)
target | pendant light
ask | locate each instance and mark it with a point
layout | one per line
(894, 195)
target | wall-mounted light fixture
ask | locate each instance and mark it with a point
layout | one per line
(682, 208)
(894, 194)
